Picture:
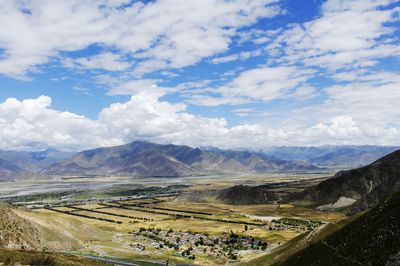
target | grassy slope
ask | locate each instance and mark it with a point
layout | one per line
(369, 185)
(369, 240)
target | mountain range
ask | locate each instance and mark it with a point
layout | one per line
(10, 171)
(33, 161)
(17, 165)
(149, 159)
(340, 157)
(360, 188)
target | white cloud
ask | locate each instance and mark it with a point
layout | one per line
(348, 34)
(224, 59)
(82, 90)
(367, 102)
(344, 130)
(265, 83)
(304, 92)
(148, 86)
(260, 84)
(164, 33)
(106, 61)
(34, 124)
(205, 100)
(239, 56)
(245, 112)
(169, 74)
(369, 99)
(347, 39)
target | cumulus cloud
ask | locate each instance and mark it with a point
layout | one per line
(369, 103)
(260, 84)
(348, 34)
(33, 124)
(159, 34)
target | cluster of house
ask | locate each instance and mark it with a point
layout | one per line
(191, 244)
(284, 224)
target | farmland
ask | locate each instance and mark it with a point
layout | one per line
(155, 224)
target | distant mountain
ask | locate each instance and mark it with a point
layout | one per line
(331, 156)
(362, 188)
(11, 172)
(34, 161)
(372, 239)
(261, 163)
(149, 159)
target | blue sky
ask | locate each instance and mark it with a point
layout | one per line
(231, 74)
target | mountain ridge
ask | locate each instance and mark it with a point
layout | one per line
(371, 239)
(9, 171)
(336, 156)
(34, 161)
(366, 186)
(141, 158)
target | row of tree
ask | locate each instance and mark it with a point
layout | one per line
(85, 216)
(110, 213)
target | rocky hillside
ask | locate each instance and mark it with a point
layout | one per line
(362, 188)
(149, 159)
(372, 239)
(239, 195)
(246, 195)
(17, 232)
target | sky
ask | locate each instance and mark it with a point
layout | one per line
(241, 74)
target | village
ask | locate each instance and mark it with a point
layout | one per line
(227, 246)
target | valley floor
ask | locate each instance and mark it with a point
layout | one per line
(153, 228)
